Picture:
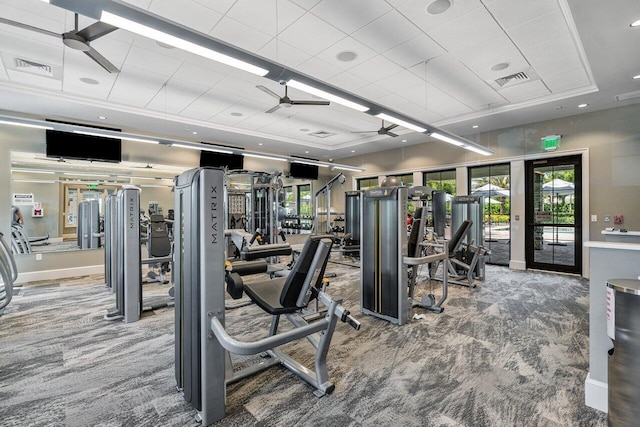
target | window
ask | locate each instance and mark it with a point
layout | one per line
(407, 179)
(441, 180)
(289, 201)
(305, 205)
(366, 183)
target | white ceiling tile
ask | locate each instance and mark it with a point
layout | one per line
(567, 81)
(347, 44)
(402, 80)
(305, 4)
(146, 60)
(175, 96)
(319, 69)
(477, 96)
(237, 88)
(258, 121)
(136, 87)
(418, 112)
(415, 11)
(208, 105)
(347, 81)
(466, 30)
(510, 13)
(417, 94)
(79, 66)
(525, 91)
(372, 92)
(283, 53)
(375, 69)
(351, 15)
(114, 50)
(155, 47)
(199, 75)
(414, 51)
(220, 6)
(143, 4)
(386, 32)
(311, 34)
(481, 57)
(41, 9)
(442, 104)
(438, 68)
(539, 30)
(244, 107)
(392, 101)
(240, 35)
(558, 64)
(554, 56)
(34, 80)
(187, 13)
(262, 15)
(30, 49)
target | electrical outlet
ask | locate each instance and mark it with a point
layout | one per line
(594, 218)
(607, 218)
(38, 257)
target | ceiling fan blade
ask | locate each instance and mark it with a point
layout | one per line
(96, 30)
(271, 110)
(101, 60)
(391, 134)
(388, 128)
(268, 91)
(366, 131)
(309, 102)
(29, 27)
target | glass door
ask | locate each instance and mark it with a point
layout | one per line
(554, 214)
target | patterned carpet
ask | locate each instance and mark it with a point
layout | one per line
(512, 352)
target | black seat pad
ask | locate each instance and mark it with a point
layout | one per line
(267, 295)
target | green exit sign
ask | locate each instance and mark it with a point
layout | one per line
(551, 142)
(93, 186)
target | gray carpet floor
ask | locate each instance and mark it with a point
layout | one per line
(511, 352)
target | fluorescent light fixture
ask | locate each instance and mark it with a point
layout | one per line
(38, 181)
(302, 162)
(400, 122)
(26, 125)
(46, 1)
(326, 95)
(154, 186)
(636, 77)
(85, 174)
(635, 23)
(107, 135)
(583, 105)
(202, 148)
(447, 139)
(174, 41)
(478, 150)
(32, 171)
(261, 156)
(348, 168)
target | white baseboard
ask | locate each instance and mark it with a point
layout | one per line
(596, 394)
(517, 265)
(62, 273)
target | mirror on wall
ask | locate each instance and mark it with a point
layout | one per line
(49, 197)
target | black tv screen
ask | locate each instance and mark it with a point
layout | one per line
(69, 145)
(231, 161)
(302, 171)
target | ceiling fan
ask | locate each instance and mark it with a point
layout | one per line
(285, 101)
(382, 131)
(77, 39)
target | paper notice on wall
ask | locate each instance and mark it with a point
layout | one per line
(23, 198)
(611, 313)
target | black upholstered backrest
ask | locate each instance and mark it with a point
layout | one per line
(159, 243)
(460, 234)
(296, 278)
(417, 232)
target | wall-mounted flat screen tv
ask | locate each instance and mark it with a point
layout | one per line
(231, 161)
(67, 145)
(302, 171)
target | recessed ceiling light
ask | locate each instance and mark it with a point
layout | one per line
(346, 56)
(102, 117)
(500, 66)
(635, 23)
(236, 114)
(636, 77)
(439, 6)
(306, 152)
(404, 140)
(583, 105)
(89, 81)
(260, 143)
(353, 151)
(194, 132)
(475, 126)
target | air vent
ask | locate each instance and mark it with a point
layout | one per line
(322, 134)
(628, 95)
(512, 79)
(33, 67)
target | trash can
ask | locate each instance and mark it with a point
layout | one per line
(623, 327)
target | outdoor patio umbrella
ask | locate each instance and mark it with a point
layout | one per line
(558, 187)
(490, 190)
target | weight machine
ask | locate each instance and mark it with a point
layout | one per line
(89, 224)
(8, 274)
(203, 364)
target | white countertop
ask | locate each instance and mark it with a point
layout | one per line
(618, 233)
(613, 245)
